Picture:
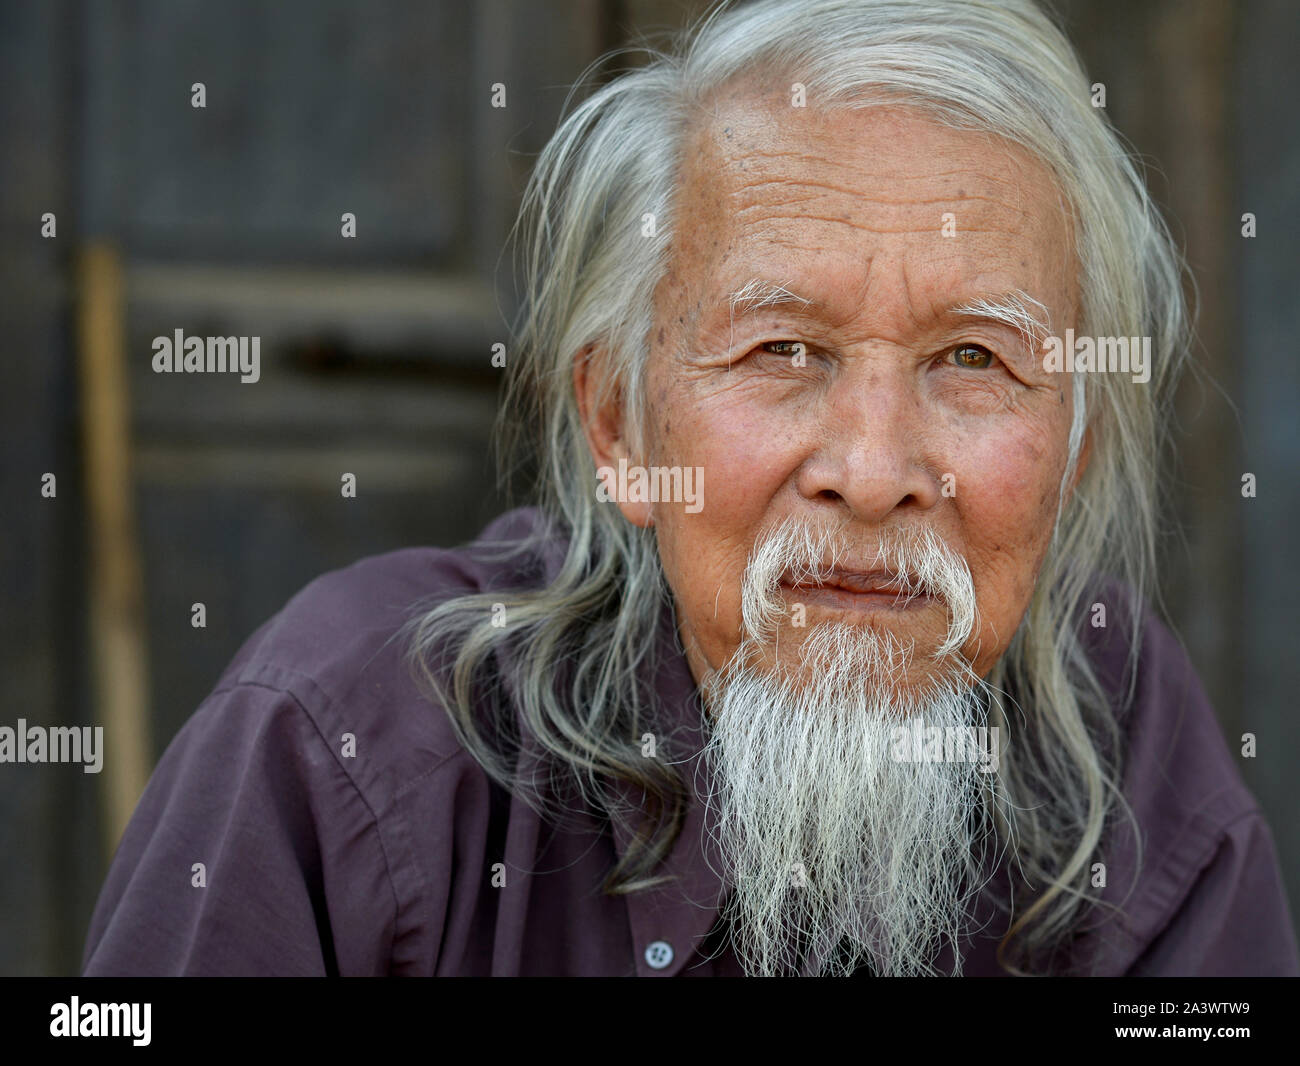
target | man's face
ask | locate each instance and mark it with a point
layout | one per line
(897, 412)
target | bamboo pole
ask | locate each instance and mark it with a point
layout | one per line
(116, 588)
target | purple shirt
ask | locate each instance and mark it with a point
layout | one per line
(316, 862)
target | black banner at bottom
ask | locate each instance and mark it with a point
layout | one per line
(231, 1015)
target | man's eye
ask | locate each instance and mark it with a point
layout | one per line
(973, 357)
(788, 348)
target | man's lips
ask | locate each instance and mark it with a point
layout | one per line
(857, 590)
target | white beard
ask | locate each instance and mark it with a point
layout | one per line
(839, 851)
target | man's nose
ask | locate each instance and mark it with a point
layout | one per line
(871, 456)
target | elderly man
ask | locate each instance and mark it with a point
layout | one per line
(825, 649)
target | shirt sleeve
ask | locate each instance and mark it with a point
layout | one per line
(1234, 921)
(251, 852)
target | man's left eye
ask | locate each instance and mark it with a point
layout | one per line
(791, 348)
(973, 356)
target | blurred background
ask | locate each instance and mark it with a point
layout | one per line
(173, 490)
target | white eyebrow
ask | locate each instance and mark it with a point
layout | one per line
(1016, 309)
(755, 294)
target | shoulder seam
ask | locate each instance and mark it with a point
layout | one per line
(248, 679)
(370, 810)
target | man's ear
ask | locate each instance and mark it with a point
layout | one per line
(601, 408)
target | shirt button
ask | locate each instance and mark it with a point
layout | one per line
(659, 954)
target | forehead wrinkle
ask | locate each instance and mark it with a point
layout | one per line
(756, 192)
(761, 162)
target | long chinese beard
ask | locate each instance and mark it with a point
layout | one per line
(842, 849)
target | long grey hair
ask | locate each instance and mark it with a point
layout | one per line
(590, 266)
